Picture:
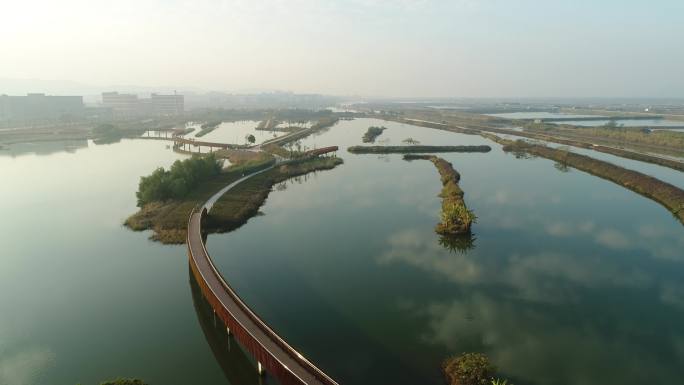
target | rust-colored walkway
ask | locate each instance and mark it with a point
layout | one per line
(271, 352)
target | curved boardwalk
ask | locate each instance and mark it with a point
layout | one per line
(272, 352)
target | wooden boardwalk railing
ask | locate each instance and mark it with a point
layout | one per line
(270, 351)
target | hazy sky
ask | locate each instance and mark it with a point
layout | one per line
(363, 47)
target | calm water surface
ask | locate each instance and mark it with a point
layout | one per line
(569, 279)
(235, 133)
(83, 299)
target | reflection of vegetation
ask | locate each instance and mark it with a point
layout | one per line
(175, 183)
(105, 129)
(460, 243)
(410, 141)
(169, 219)
(124, 381)
(322, 124)
(106, 133)
(242, 202)
(612, 124)
(522, 155)
(372, 133)
(413, 149)
(664, 193)
(561, 166)
(468, 369)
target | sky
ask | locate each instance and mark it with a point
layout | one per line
(401, 48)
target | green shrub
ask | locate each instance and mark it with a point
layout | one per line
(469, 369)
(175, 183)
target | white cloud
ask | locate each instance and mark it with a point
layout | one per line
(613, 239)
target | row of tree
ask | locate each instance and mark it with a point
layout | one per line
(179, 180)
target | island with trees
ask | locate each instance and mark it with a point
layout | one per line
(166, 197)
(372, 133)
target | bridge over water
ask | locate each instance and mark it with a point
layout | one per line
(271, 352)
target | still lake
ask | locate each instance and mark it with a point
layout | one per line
(569, 279)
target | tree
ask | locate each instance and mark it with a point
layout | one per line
(250, 138)
(469, 369)
(612, 124)
(179, 180)
(410, 141)
(105, 129)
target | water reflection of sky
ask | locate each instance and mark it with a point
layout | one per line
(84, 299)
(665, 174)
(570, 274)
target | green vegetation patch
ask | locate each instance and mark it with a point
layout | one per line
(107, 133)
(468, 369)
(181, 178)
(244, 200)
(168, 218)
(414, 149)
(456, 218)
(662, 141)
(322, 123)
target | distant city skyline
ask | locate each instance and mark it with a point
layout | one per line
(371, 48)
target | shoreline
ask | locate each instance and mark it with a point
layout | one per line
(415, 149)
(168, 220)
(456, 218)
(667, 195)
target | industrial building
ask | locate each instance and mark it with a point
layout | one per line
(40, 107)
(125, 106)
(168, 104)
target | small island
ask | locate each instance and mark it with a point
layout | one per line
(372, 133)
(456, 217)
(166, 197)
(415, 149)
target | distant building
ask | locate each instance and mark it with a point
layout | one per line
(168, 104)
(33, 107)
(129, 105)
(121, 105)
